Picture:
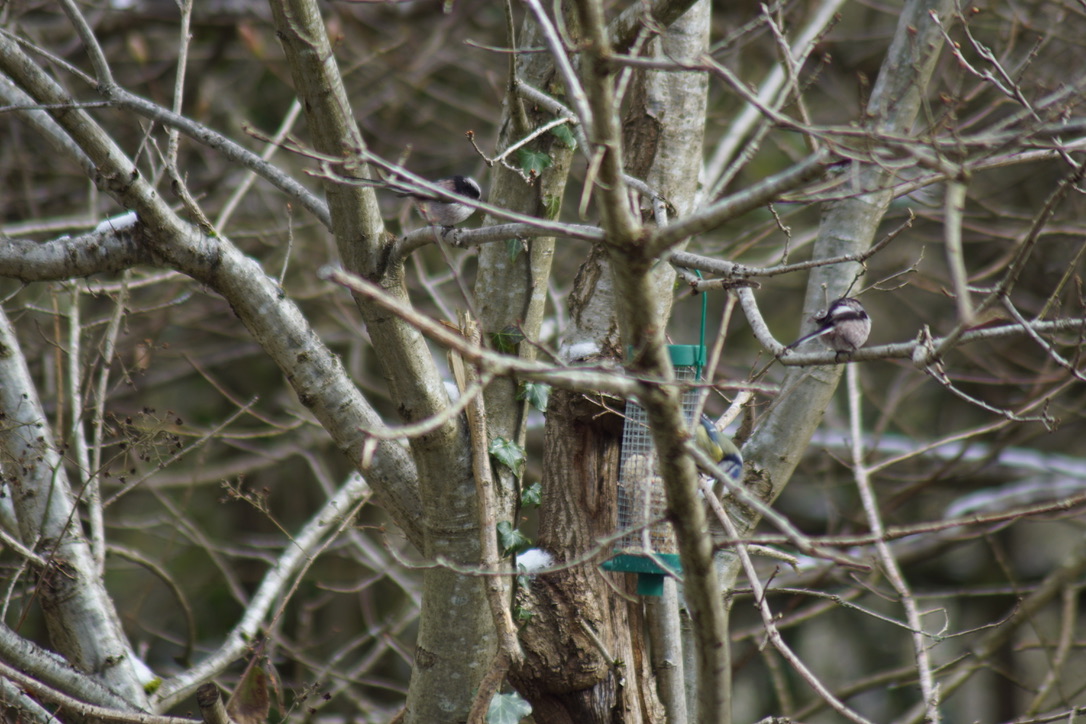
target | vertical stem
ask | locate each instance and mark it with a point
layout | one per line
(93, 471)
(928, 687)
(78, 437)
(952, 234)
(665, 634)
(179, 80)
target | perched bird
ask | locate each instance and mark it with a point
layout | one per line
(436, 211)
(719, 448)
(843, 327)
(444, 212)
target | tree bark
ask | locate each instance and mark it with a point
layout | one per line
(83, 624)
(456, 639)
(566, 676)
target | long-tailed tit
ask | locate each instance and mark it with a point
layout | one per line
(436, 211)
(444, 212)
(843, 327)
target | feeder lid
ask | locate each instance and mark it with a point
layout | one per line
(686, 355)
(682, 355)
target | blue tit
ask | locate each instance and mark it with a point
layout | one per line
(719, 448)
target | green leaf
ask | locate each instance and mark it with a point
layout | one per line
(511, 539)
(565, 135)
(507, 709)
(513, 247)
(506, 340)
(532, 496)
(553, 205)
(509, 454)
(522, 615)
(533, 162)
(536, 393)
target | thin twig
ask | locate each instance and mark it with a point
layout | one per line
(928, 687)
(561, 61)
(576, 378)
(952, 234)
(774, 635)
(101, 395)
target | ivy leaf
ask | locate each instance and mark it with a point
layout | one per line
(522, 615)
(511, 539)
(514, 247)
(565, 135)
(506, 340)
(532, 496)
(536, 393)
(533, 162)
(507, 709)
(553, 205)
(509, 454)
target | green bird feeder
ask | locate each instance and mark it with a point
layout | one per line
(647, 544)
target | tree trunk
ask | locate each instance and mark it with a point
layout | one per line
(566, 677)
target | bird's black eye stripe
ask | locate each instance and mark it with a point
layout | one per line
(847, 315)
(466, 187)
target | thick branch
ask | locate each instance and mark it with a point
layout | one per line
(82, 621)
(94, 253)
(848, 228)
(275, 321)
(299, 554)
